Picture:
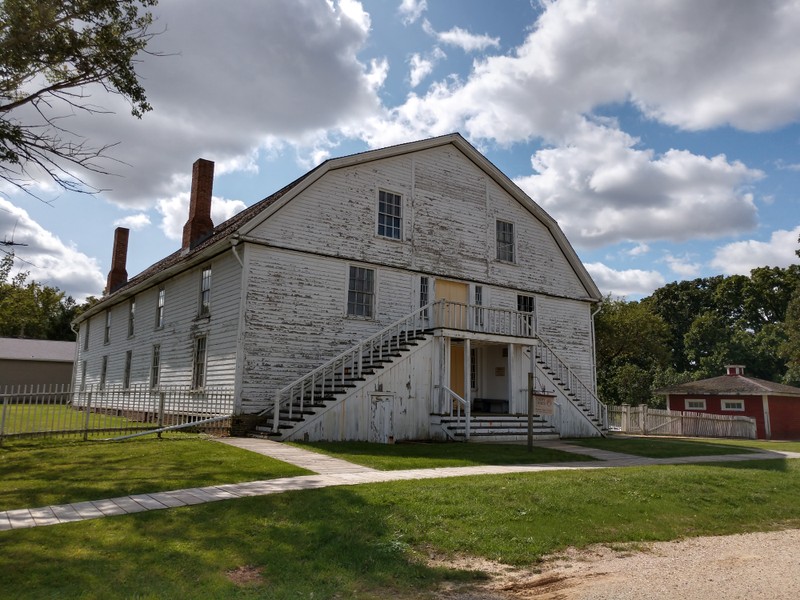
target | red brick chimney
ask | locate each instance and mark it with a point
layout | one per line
(118, 276)
(199, 226)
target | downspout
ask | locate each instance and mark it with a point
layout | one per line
(235, 242)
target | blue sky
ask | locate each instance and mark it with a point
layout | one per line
(663, 136)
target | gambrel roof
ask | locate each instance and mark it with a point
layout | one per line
(231, 231)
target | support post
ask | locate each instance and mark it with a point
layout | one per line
(530, 412)
(161, 400)
(86, 418)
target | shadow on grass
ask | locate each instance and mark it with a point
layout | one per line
(651, 447)
(429, 455)
(330, 544)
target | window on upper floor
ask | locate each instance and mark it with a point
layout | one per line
(424, 294)
(126, 378)
(361, 292)
(205, 292)
(107, 330)
(199, 363)
(85, 328)
(155, 366)
(83, 375)
(131, 315)
(505, 241)
(478, 302)
(390, 215)
(162, 296)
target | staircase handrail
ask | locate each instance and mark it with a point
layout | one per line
(596, 407)
(354, 356)
(461, 402)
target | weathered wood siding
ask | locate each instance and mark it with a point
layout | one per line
(181, 327)
(406, 386)
(295, 316)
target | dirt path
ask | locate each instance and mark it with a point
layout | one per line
(754, 566)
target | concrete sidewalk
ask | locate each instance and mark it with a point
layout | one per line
(330, 472)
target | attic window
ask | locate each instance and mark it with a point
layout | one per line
(505, 241)
(390, 215)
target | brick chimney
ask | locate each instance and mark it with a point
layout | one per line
(199, 226)
(734, 369)
(118, 276)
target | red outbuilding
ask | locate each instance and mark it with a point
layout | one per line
(774, 406)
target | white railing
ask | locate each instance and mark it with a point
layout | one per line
(58, 410)
(482, 319)
(653, 421)
(575, 389)
(458, 404)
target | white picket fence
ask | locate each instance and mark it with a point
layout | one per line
(57, 410)
(644, 420)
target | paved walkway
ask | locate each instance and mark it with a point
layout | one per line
(329, 472)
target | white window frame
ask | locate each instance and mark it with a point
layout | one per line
(739, 403)
(687, 401)
(386, 220)
(126, 376)
(204, 309)
(477, 300)
(424, 293)
(199, 362)
(86, 334)
(372, 294)
(155, 366)
(506, 251)
(131, 316)
(107, 329)
(103, 372)
(161, 301)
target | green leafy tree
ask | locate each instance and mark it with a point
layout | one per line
(51, 53)
(632, 346)
(31, 310)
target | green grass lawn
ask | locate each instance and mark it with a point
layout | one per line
(663, 447)
(26, 418)
(371, 541)
(41, 472)
(408, 455)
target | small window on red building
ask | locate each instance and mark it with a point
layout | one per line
(695, 404)
(733, 405)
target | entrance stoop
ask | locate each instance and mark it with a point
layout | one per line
(498, 428)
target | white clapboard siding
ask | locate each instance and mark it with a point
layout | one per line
(177, 336)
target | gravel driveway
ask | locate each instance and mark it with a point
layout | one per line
(753, 566)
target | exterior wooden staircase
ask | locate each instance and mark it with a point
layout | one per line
(497, 428)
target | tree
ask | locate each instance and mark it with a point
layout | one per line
(31, 310)
(51, 53)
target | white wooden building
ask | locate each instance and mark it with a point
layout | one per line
(373, 299)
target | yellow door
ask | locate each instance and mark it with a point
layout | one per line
(455, 312)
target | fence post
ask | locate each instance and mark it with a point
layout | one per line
(161, 400)
(644, 418)
(3, 418)
(626, 418)
(86, 419)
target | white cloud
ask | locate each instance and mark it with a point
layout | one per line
(411, 10)
(682, 265)
(603, 190)
(742, 257)
(638, 250)
(420, 67)
(630, 282)
(175, 211)
(46, 257)
(461, 38)
(135, 222)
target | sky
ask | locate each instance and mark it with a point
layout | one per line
(663, 136)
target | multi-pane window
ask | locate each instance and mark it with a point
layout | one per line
(86, 335)
(103, 373)
(131, 314)
(505, 241)
(361, 292)
(205, 291)
(473, 369)
(733, 405)
(155, 366)
(695, 404)
(107, 331)
(199, 363)
(390, 215)
(126, 379)
(525, 304)
(83, 375)
(478, 301)
(162, 295)
(424, 295)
